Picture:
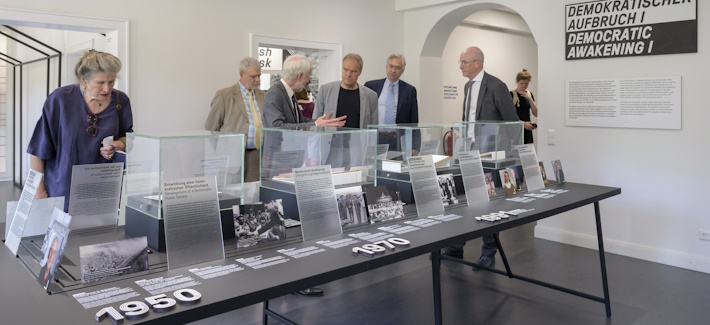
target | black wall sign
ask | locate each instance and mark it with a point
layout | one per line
(614, 28)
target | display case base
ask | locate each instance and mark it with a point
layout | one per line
(140, 223)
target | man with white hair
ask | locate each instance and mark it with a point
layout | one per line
(280, 106)
(281, 111)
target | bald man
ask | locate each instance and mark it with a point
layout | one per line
(486, 98)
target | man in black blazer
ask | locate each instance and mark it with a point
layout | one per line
(486, 98)
(406, 108)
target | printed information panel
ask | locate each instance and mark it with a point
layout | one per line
(645, 103)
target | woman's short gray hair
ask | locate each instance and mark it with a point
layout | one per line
(248, 62)
(93, 61)
(295, 64)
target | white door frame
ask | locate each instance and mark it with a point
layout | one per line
(118, 29)
(329, 67)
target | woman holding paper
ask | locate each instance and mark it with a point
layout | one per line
(84, 123)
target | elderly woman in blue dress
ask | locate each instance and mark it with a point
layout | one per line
(75, 120)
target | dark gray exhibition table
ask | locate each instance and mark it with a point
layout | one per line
(24, 302)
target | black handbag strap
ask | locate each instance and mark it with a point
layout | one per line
(118, 110)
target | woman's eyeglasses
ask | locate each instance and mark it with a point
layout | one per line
(92, 130)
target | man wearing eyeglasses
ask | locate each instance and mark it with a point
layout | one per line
(406, 109)
(486, 98)
(237, 109)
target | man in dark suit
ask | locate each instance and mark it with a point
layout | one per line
(402, 107)
(405, 95)
(281, 111)
(486, 98)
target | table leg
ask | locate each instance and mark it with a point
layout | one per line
(602, 261)
(265, 316)
(436, 277)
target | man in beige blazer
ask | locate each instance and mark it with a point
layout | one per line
(237, 109)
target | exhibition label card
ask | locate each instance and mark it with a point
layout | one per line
(39, 217)
(94, 196)
(317, 203)
(462, 144)
(227, 147)
(430, 147)
(531, 168)
(109, 260)
(193, 227)
(425, 186)
(382, 150)
(212, 166)
(17, 227)
(472, 174)
(375, 152)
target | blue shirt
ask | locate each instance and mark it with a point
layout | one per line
(382, 108)
(60, 137)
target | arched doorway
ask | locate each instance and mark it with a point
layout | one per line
(502, 34)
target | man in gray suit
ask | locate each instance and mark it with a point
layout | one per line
(280, 105)
(486, 98)
(236, 109)
(281, 111)
(348, 98)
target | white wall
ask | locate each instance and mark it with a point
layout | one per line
(659, 212)
(181, 52)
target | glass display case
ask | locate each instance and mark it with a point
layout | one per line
(153, 158)
(349, 152)
(495, 141)
(396, 143)
(399, 142)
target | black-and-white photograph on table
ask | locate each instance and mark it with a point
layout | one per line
(107, 260)
(351, 206)
(259, 223)
(447, 189)
(384, 203)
